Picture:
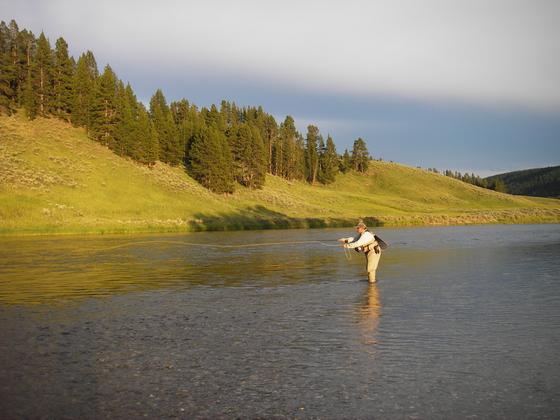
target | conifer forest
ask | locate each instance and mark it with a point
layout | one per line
(220, 146)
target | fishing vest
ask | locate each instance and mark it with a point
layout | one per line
(369, 247)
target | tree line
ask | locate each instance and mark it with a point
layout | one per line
(491, 184)
(539, 182)
(219, 146)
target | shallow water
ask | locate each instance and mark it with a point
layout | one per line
(465, 322)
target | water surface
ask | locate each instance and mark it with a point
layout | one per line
(465, 322)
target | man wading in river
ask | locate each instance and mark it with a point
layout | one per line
(367, 243)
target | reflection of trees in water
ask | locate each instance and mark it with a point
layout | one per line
(369, 314)
(76, 268)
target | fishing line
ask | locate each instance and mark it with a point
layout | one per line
(220, 246)
(347, 253)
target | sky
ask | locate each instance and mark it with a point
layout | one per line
(467, 85)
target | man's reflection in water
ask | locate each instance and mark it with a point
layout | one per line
(370, 311)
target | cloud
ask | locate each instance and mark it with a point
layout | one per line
(447, 84)
(478, 51)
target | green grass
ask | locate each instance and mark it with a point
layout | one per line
(53, 179)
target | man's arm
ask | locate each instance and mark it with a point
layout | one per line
(364, 239)
(348, 240)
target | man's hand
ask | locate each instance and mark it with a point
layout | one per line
(341, 240)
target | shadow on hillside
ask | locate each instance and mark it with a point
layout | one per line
(259, 217)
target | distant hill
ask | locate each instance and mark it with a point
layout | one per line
(539, 182)
(54, 179)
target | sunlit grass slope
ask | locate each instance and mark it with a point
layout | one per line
(53, 179)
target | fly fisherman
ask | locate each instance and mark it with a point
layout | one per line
(365, 242)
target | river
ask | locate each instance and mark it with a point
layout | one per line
(464, 322)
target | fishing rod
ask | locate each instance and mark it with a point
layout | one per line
(222, 246)
(347, 252)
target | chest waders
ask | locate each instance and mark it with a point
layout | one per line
(372, 252)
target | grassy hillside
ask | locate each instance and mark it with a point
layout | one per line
(540, 182)
(53, 179)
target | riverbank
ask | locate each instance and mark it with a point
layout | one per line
(55, 180)
(529, 216)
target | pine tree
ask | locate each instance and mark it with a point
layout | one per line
(29, 100)
(249, 159)
(8, 72)
(23, 52)
(186, 120)
(142, 140)
(127, 138)
(278, 154)
(270, 132)
(499, 186)
(345, 162)
(213, 117)
(210, 160)
(360, 156)
(329, 162)
(285, 160)
(311, 154)
(170, 150)
(228, 116)
(135, 134)
(259, 159)
(299, 158)
(20, 60)
(321, 150)
(15, 63)
(43, 76)
(148, 134)
(6, 92)
(197, 125)
(83, 87)
(240, 145)
(26, 48)
(103, 110)
(63, 75)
